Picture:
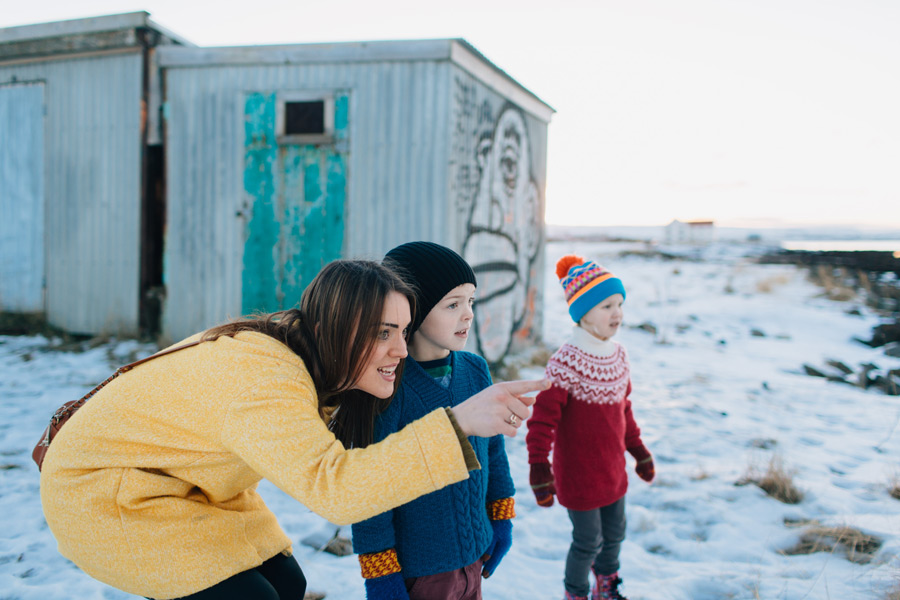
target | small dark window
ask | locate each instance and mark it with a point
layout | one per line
(304, 117)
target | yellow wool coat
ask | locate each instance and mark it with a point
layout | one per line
(151, 486)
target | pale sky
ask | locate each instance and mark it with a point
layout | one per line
(741, 111)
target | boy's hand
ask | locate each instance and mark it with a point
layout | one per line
(541, 480)
(500, 545)
(644, 467)
(387, 587)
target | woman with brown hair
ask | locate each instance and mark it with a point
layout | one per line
(151, 485)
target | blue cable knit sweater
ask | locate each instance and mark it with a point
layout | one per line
(447, 529)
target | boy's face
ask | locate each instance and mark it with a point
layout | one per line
(446, 327)
(604, 319)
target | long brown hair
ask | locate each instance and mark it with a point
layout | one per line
(334, 333)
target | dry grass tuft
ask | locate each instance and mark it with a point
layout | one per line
(834, 282)
(857, 546)
(505, 372)
(511, 366)
(893, 593)
(799, 522)
(894, 487)
(842, 294)
(864, 282)
(765, 286)
(540, 357)
(775, 481)
(700, 475)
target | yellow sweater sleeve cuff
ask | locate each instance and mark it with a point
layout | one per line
(468, 451)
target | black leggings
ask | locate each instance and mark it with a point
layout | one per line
(279, 578)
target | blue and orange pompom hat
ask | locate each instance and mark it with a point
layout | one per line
(586, 284)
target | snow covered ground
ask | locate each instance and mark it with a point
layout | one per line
(719, 392)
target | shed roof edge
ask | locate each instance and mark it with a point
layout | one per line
(87, 26)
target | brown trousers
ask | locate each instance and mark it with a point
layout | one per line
(461, 584)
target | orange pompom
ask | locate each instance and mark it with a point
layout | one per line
(565, 263)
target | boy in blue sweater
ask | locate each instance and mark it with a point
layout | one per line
(442, 544)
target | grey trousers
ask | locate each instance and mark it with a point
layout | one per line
(596, 538)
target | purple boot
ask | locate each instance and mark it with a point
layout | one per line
(607, 587)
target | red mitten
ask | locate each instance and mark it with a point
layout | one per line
(644, 467)
(541, 479)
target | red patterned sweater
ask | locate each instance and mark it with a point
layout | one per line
(585, 418)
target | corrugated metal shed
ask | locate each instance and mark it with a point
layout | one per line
(84, 149)
(278, 159)
(415, 134)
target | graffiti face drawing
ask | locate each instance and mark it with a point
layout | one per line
(503, 233)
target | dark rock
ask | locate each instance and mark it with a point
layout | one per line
(763, 443)
(887, 304)
(863, 379)
(869, 261)
(888, 385)
(648, 327)
(884, 334)
(812, 371)
(333, 543)
(839, 366)
(757, 333)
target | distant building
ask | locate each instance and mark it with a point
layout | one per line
(690, 232)
(147, 184)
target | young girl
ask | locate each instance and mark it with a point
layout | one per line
(442, 544)
(585, 417)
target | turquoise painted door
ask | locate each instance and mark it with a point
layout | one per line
(295, 197)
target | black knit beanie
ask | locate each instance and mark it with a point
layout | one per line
(432, 270)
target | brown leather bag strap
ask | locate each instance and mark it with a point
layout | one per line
(130, 366)
(64, 412)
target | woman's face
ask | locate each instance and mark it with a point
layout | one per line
(379, 373)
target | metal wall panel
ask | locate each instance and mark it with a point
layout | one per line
(397, 190)
(22, 198)
(93, 188)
